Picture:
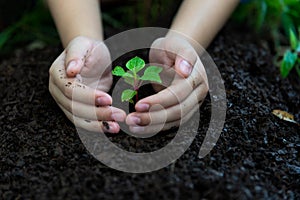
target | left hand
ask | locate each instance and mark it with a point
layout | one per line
(79, 81)
(185, 76)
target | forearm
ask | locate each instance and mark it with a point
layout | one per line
(76, 18)
(202, 19)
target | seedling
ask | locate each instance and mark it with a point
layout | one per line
(131, 77)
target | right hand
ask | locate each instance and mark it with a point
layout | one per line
(79, 81)
(187, 86)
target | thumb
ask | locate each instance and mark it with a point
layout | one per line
(76, 53)
(183, 54)
(183, 67)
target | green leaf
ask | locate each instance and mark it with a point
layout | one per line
(6, 34)
(287, 24)
(152, 74)
(293, 40)
(298, 47)
(274, 4)
(128, 94)
(288, 63)
(128, 74)
(261, 15)
(290, 2)
(118, 71)
(298, 70)
(153, 69)
(151, 77)
(135, 64)
(129, 78)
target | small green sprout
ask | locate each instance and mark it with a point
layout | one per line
(131, 77)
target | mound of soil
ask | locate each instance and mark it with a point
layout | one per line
(257, 155)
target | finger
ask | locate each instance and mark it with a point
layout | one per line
(88, 57)
(175, 93)
(158, 54)
(183, 66)
(92, 125)
(87, 111)
(185, 58)
(179, 53)
(74, 89)
(76, 53)
(172, 113)
(155, 128)
(97, 62)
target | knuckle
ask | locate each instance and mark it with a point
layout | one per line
(68, 92)
(70, 108)
(103, 113)
(157, 42)
(179, 93)
(178, 112)
(189, 54)
(169, 45)
(146, 119)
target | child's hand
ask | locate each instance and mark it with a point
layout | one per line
(79, 80)
(185, 76)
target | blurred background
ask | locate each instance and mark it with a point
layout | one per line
(28, 24)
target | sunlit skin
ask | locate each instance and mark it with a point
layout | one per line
(81, 32)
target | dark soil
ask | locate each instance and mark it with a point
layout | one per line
(256, 157)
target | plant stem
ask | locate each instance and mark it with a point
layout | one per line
(136, 86)
(136, 96)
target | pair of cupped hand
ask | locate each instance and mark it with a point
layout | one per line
(80, 79)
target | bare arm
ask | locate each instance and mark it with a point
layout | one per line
(76, 18)
(80, 28)
(202, 19)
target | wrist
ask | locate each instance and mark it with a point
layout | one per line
(69, 37)
(174, 33)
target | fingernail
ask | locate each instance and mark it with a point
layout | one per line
(142, 107)
(136, 129)
(133, 120)
(185, 67)
(72, 66)
(101, 101)
(119, 117)
(110, 127)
